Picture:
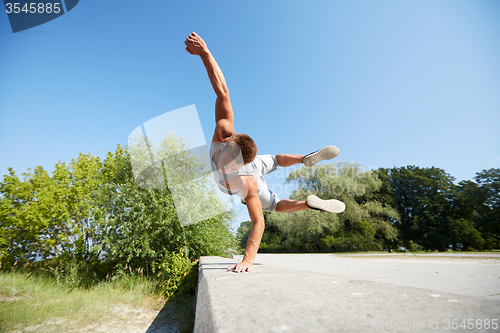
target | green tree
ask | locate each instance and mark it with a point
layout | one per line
(424, 197)
(488, 207)
(365, 224)
(142, 229)
(464, 233)
(85, 180)
(33, 216)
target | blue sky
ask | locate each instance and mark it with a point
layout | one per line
(391, 83)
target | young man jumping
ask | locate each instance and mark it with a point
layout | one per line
(237, 168)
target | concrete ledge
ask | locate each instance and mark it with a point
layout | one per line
(275, 297)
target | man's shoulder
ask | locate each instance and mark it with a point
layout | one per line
(216, 146)
(223, 130)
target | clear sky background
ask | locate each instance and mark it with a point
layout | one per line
(391, 83)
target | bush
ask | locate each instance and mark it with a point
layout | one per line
(176, 274)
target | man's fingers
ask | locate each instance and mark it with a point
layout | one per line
(242, 269)
(239, 268)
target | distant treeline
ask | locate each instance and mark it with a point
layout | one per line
(407, 207)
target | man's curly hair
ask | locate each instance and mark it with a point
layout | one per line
(244, 143)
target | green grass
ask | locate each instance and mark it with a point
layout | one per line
(43, 303)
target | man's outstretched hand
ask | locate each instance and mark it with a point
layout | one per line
(243, 266)
(195, 45)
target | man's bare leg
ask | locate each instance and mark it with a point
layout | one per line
(290, 206)
(326, 153)
(286, 160)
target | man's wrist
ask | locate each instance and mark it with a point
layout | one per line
(205, 54)
(247, 261)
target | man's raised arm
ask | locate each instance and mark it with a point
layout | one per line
(223, 109)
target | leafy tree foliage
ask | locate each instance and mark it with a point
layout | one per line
(424, 198)
(143, 227)
(93, 213)
(366, 223)
(26, 222)
(436, 214)
(424, 206)
(488, 205)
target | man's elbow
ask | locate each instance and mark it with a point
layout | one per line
(223, 93)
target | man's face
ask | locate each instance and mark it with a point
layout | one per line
(228, 164)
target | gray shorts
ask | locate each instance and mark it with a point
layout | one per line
(262, 165)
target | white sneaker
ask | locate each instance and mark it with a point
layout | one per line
(330, 206)
(326, 153)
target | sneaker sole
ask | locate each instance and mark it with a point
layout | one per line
(330, 206)
(326, 153)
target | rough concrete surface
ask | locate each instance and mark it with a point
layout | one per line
(329, 292)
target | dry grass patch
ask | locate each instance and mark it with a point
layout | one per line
(41, 304)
